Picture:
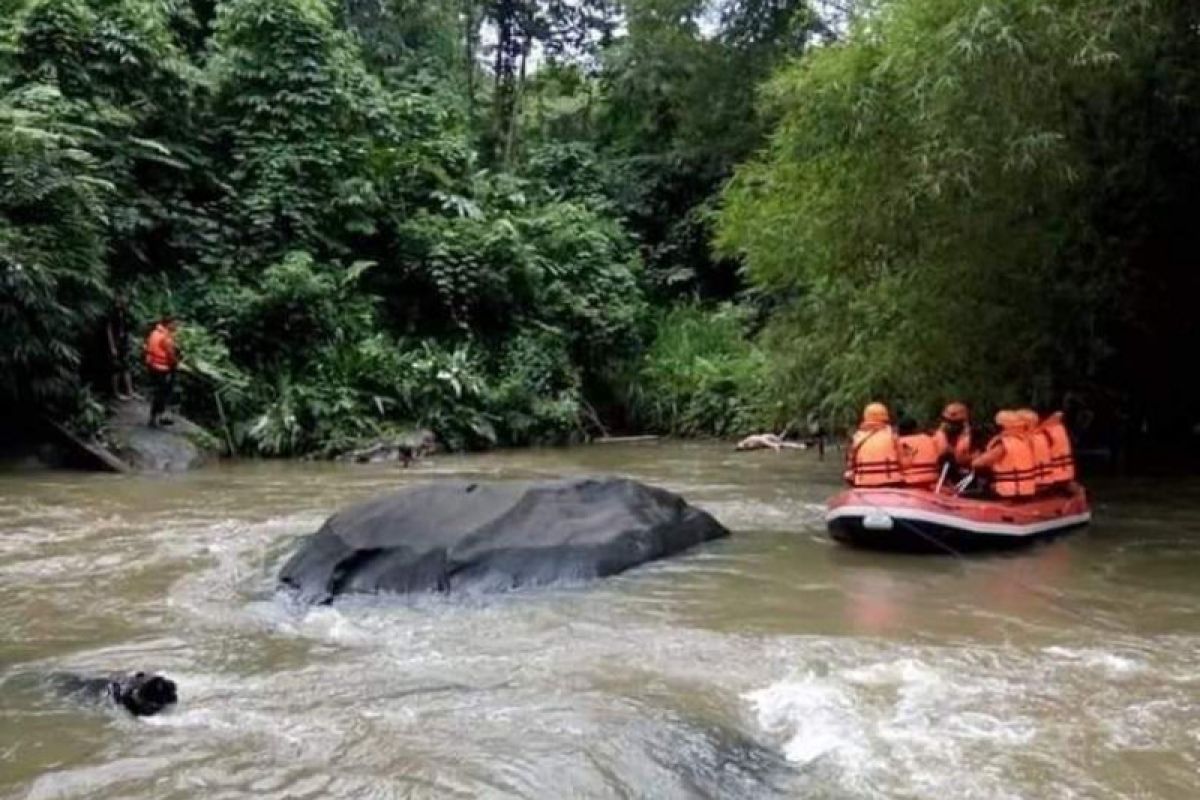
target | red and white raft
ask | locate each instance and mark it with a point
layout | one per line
(921, 520)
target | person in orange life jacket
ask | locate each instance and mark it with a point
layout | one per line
(1009, 458)
(873, 458)
(953, 436)
(919, 455)
(1061, 469)
(162, 360)
(1031, 424)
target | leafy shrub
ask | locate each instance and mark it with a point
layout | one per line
(537, 395)
(967, 198)
(292, 103)
(52, 275)
(302, 417)
(585, 282)
(700, 375)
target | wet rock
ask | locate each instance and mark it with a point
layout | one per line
(180, 446)
(141, 694)
(712, 759)
(459, 536)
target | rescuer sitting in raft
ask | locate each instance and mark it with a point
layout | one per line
(1060, 467)
(953, 438)
(1009, 458)
(873, 458)
(1031, 426)
(920, 455)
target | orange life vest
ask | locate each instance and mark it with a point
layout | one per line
(1015, 474)
(160, 350)
(1041, 457)
(1061, 457)
(919, 465)
(961, 449)
(873, 458)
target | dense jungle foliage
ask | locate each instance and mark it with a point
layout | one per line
(988, 199)
(523, 221)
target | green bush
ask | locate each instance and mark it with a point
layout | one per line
(700, 376)
(975, 198)
(292, 103)
(296, 417)
(52, 275)
(536, 397)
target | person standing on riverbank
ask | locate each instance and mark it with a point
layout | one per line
(162, 360)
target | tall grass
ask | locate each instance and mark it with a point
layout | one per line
(701, 375)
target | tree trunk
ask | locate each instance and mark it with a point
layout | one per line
(514, 112)
(470, 46)
(508, 51)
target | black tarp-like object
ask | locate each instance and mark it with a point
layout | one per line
(458, 535)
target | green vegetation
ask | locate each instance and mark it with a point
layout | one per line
(982, 198)
(341, 258)
(524, 222)
(700, 375)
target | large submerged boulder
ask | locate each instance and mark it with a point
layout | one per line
(461, 536)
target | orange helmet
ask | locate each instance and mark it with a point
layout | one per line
(876, 413)
(1008, 420)
(956, 412)
(1029, 418)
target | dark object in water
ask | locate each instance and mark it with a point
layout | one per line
(140, 694)
(462, 536)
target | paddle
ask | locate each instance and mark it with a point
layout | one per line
(942, 479)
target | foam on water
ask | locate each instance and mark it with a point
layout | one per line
(905, 727)
(818, 718)
(1112, 664)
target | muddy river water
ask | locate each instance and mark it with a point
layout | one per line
(772, 664)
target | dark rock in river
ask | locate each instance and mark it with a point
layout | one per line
(462, 536)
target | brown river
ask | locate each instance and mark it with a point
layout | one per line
(772, 664)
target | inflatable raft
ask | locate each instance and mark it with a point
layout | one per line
(924, 521)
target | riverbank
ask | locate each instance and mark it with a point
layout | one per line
(126, 443)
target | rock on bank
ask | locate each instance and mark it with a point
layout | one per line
(176, 448)
(456, 536)
(128, 443)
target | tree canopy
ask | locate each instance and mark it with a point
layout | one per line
(525, 220)
(979, 199)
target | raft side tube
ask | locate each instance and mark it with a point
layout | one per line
(919, 520)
